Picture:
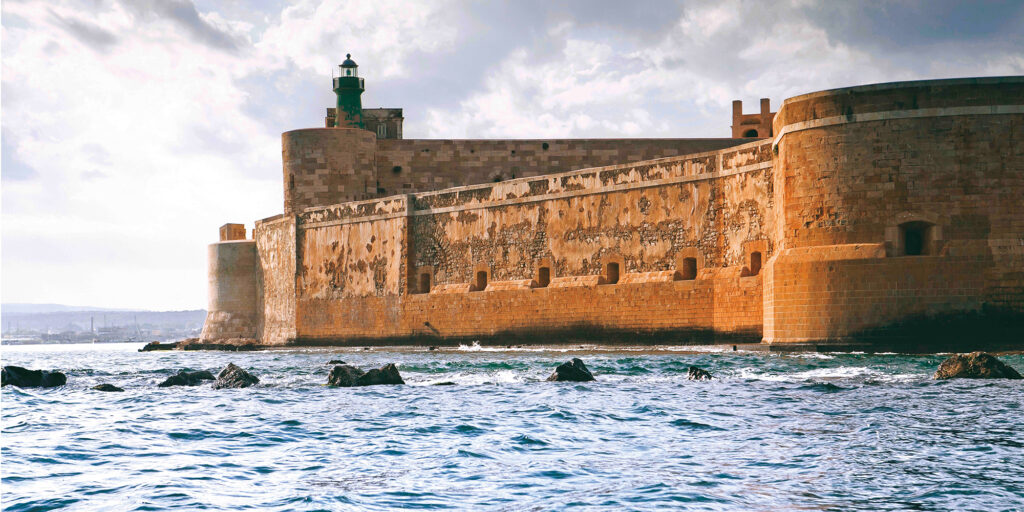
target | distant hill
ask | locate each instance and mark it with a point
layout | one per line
(48, 308)
(76, 320)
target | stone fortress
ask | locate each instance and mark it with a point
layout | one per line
(886, 213)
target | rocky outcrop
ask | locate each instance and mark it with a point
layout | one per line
(227, 344)
(387, 374)
(336, 361)
(156, 345)
(695, 373)
(234, 377)
(976, 365)
(347, 376)
(572, 371)
(107, 387)
(344, 376)
(25, 378)
(184, 378)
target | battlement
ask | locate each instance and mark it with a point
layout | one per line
(752, 125)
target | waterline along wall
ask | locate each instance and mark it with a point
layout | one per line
(870, 209)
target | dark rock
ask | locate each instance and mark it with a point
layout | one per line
(184, 378)
(228, 344)
(234, 377)
(695, 373)
(572, 371)
(387, 374)
(344, 376)
(336, 361)
(976, 365)
(432, 348)
(107, 387)
(445, 383)
(25, 378)
(156, 345)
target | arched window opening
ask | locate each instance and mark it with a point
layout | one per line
(750, 133)
(611, 273)
(689, 270)
(755, 263)
(481, 280)
(543, 276)
(915, 238)
(424, 283)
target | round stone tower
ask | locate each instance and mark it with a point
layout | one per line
(349, 88)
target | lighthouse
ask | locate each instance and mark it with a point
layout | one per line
(349, 87)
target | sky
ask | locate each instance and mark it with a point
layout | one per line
(131, 130)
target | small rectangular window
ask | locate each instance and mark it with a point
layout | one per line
(544, 276)
(481, 280)
(689, 270)
(424, 283)
(611, 273)
(382, 130)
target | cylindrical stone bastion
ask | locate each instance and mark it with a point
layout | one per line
(233, 292)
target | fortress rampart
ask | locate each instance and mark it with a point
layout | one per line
(871, 210)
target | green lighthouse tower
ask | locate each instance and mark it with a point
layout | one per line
(349, 88)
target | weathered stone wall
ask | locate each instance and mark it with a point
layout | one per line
(353, 250)
(326, 166)
(857, 165)
(406, 166)
(361, 262)
(275, 244)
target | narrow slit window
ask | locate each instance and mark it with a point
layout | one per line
(755, 263)
(424, 283)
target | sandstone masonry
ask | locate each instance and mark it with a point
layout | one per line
(888, 213)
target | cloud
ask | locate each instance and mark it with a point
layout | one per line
(132, 129)
(183, 13)
(87, 33)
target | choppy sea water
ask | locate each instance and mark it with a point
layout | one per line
(770, 432)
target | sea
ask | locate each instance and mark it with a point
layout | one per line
(844, 431)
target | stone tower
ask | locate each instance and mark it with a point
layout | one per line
(349, 87)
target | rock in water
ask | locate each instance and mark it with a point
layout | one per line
(387, 374)
(156, 345)
(344, 376)
(572, 371)
(976, 365)
(184, 378)
(336, 361)
(695, 373)
(234, 377)
(25, 378)
(107, 387)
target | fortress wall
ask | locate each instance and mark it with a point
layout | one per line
(275, 244)
(326, 166)
(646, 216)
(409, 165)
(668, 312)
(353, 250)
(855, 164)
